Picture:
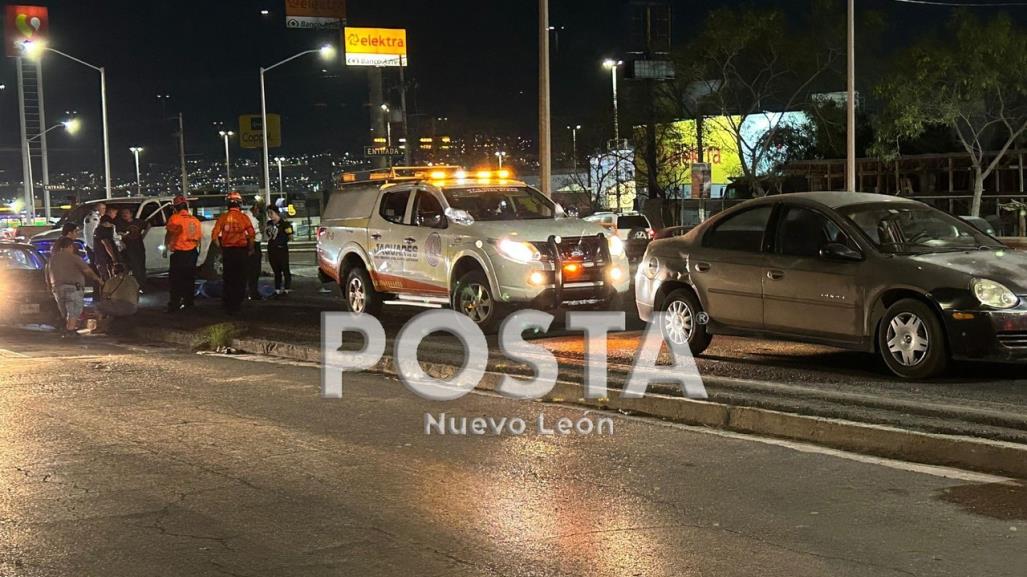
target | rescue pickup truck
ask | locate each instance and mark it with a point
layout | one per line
(479, 242)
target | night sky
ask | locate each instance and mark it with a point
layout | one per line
(474, 62)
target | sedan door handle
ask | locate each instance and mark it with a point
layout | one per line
(376, 236)
(409, 240)
(702, 266)
(775, 274)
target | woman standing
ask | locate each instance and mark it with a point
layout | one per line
(276, 235)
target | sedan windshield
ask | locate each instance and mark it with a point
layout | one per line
(501, 203)
(916, 229)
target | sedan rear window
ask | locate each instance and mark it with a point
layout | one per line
(632, 221)
(13, 258)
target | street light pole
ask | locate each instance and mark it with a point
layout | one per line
(574, 145)
(613, 65)
(28, 47)
(228, 165)
(850, 159)
(388, 133)
(71, 126)
(281, 180)
(181, 154)
(500, 154)
(327, 52)
(139, 176)
(545, 140)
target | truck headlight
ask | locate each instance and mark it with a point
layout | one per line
(993, 294)
(522, 252)
(616, 245)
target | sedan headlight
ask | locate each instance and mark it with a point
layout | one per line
(522, 252)
(616, 245)
(994, 295)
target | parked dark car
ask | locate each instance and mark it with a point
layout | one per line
(860, 271)
(23, 287)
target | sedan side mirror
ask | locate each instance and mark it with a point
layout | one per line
(839, 251)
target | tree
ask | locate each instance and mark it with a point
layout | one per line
(972, 81)
(753, 65)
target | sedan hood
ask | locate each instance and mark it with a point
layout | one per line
(530, 230)
(1007, 266)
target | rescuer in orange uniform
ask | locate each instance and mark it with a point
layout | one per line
(234, 233)
(183, 240)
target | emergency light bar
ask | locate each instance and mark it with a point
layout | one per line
(432, 173)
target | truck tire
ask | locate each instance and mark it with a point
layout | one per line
(912, 341)
(359, 294)
(472, 296)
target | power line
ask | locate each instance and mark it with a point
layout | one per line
(965, 4)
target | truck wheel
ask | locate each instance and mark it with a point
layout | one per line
(473, 297)
(912, 341)
(681, 312)
(359, 293)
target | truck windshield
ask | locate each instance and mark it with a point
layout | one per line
(501, 202)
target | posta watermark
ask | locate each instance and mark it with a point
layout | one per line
(646, 371)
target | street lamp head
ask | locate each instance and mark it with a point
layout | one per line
(136, 149)
(611, 63)
(31, 49)
(72, 125)
(327, 52)
(385, 107)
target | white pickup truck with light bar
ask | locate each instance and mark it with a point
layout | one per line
(477, 241)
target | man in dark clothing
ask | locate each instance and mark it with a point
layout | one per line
(105, 248)
(132, 231)
(277, 233)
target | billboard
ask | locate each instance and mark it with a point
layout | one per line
(678, 149)
(23, 23)
(315, 14)
(375, 46)
(251, 135)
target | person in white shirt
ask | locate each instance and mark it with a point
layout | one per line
(89, 227)
(256, 215)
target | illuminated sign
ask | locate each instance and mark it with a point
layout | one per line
(23, 23)
(375, 46)
(315, 14)
(251, 134)
(678, 150)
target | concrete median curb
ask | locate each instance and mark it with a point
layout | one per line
(984, 455)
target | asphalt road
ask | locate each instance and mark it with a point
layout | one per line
(121, 460)
(974, 399)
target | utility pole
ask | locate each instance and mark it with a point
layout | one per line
(181, 154)
(545, 161)
(850, 160)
